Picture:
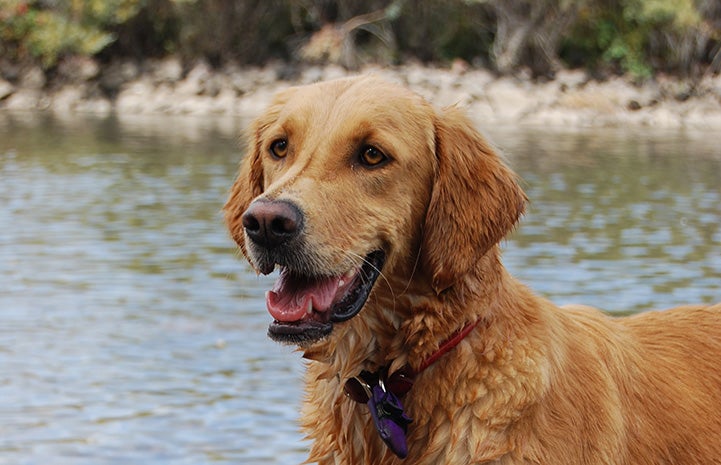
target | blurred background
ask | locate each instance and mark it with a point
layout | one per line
(131, 329)
(640, 37)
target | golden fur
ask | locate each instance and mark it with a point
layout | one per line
(533, 383)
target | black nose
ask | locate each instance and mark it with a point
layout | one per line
(270, 223)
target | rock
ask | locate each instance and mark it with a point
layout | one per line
(633, 105)
(76, 98)
(256, 102)
(161, 87)
(240, 83)
(452, 94)
(222, 103)
(225, 102)
(135, 97)
(311, 74)
(482, 113)
(334, 72)
(65, 100)
(666, 115)
(265, 76)
(570, 79)
(6, 89)
(604, 98)
(476, 80)
(167, 70)
(117, 74)
(511, 99)
(248, 80)
(415, 75)
(26, 99)
(711, 84)
(95, 106)
(459, 66)
(560, 117)
(199, 81)
(704, 113)
(33, 78)
(78, 68)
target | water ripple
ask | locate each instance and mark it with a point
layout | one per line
(133, 333)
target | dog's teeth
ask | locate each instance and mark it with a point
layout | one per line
(349, 275)
(310, 307)
(341, 283)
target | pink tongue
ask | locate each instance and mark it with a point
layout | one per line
(289, 299)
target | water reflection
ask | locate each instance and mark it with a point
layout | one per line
(132, 333)
(626, 221)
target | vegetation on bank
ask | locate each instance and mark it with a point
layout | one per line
(637, 37)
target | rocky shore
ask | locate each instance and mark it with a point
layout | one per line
(166, 87)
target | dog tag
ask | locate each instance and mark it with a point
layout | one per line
(389, 418)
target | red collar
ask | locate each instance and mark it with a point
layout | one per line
(401, 381)
(452, 342)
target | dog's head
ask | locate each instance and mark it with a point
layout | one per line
(350, 179)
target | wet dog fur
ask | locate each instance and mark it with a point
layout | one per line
(533, 383)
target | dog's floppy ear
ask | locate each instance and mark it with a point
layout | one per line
(476, 200)
(249, 183)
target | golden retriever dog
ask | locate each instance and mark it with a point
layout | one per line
(382, 216)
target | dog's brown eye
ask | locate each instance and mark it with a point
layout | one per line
(371, 156)
(279, 148)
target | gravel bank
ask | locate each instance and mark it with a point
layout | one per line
(572, 99)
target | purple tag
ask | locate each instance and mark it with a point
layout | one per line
(389, 419)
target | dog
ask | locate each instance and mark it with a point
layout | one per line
(383, 216)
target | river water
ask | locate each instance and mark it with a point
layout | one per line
(132, 332)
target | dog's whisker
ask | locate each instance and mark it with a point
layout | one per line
(380, 274)
(413, 272)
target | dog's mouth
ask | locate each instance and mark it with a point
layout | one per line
(304, 308)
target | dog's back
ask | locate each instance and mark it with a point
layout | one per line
(644, 389)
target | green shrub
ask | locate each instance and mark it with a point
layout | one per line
(30, 30)
(639, 37)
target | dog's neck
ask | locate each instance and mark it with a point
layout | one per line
(489, 296)
(471, 299)
(410, 322)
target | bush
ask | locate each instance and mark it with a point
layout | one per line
(639, 37)
(31, 31)
(249, 31)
